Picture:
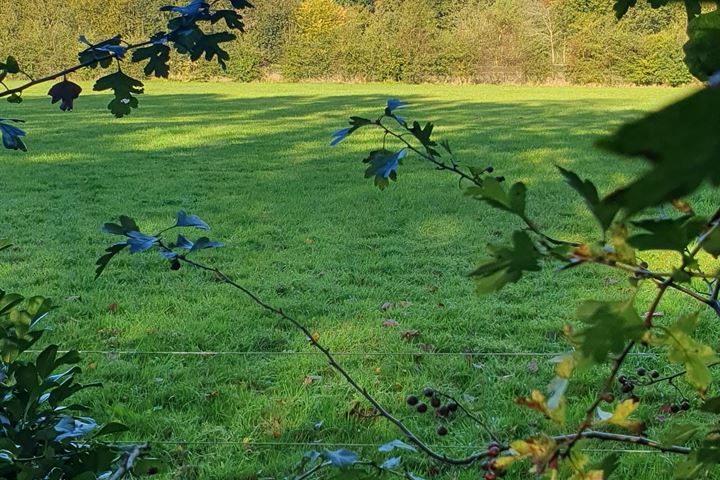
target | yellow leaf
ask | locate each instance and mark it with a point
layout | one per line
(565, 366)
(620, 417)
(538, 402)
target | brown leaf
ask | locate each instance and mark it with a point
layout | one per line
(389, 322)
(405, 304)
(113, 308)
(409, 334)
(310, 379)
(362, 410)
(386, 306)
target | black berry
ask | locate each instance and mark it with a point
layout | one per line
(442, 431)
(641, 372)
(443, 411)
(452, 406)
(412, 400)
(655, 374)
(435, 402)
(175, 264)
(421, 408)
(674, 408)
(685, 405)
(622, 379)
(428, 392)
(627, 388)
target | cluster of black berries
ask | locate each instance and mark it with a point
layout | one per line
(492, 472)
(442, 411)
(627, 386)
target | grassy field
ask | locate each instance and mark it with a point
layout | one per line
(305, 230)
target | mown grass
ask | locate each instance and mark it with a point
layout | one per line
(305, 230)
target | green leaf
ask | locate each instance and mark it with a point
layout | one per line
(610, 326)
(112, 427)
(679, 434)
(683, 349)
(683, 151)
(711, 244)
(711, 405)
(123, 86)
(11, 65)
(668, 234)
(340, 458)
(604, 213)
(702, 54)
(15, 98)
(621, 7)
(508, 264)
(158, 57)
(494, 194)
(608, 465)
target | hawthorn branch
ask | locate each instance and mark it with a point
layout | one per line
(464, 176)
(69, 70)
(128, 462)
(338, 368)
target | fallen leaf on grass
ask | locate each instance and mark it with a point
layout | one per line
(533, 367)
(389, 322)
(409, 334)
(113, 308)
(386, 306)
(310, 379)
(360, 410)
(405, 304)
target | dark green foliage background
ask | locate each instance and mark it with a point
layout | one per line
(578, 41)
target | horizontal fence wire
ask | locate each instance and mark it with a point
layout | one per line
(318, 353)
(251, 444)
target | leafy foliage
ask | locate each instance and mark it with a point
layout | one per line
(40, 435)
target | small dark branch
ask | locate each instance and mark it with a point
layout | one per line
(590, 412)
(471, 416)
(670, 378)
(312, 471)
(67, 71)
(614, 437)
(464, 176)
(128, 462)
(338, 368)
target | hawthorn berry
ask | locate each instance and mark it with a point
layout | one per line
(428, 392)
(442, 431)
(641, 372)
(175, 264)
(627, 387)
(412, 400)
(435, 402)
(493, 451)
(674, 408)
(685, 405)
(421, 408)
(622, 379)
(490, 476)
(655, 374)
(443, 411)
(452, 406)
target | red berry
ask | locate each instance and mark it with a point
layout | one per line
(490, 476)
(493, 451)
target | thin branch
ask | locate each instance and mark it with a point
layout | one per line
(631, 439)
(128, 462)
(470, 415)
(338, 368)
(464, 176)
(670, 378)
(67, 71)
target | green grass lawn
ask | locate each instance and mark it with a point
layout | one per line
(305, 230)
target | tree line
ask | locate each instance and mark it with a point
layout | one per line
(545, 41)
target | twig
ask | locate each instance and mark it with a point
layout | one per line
(464, 176)
(471, 416)
(127, 465)
(338, 368)
(67, 71)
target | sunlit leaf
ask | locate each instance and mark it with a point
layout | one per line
(620, 416)
(508, 264)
